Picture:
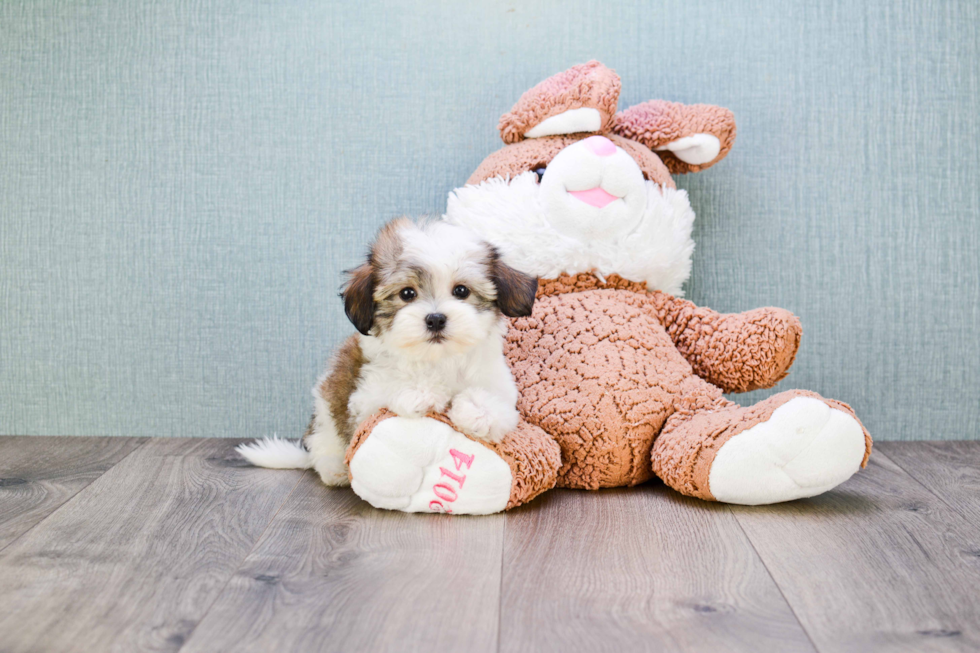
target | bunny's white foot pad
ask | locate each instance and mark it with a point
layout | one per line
(423, 465)
(803, 449)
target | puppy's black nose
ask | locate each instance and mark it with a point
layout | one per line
(435, 322)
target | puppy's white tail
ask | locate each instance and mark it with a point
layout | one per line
(276, 453)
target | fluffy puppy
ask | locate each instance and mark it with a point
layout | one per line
(429, 306)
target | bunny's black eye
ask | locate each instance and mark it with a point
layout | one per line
(540, 172)
(407, 294)
(461, 292)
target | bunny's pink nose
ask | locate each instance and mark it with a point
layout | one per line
(600, 145)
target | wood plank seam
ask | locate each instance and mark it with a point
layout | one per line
(75, 495)
(334, 574)
(242, 562)
(932, 491)
(672, 575)
(138, 557)
(773, 578)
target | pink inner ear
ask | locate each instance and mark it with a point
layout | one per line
(657, 123)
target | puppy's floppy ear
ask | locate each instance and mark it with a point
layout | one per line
(515, 290)
(358, 294)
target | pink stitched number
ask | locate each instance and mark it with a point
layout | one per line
(448, 494)
(461, 459)
(456, 477)
(443, 490)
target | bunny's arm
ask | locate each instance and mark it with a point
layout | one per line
(737, 352)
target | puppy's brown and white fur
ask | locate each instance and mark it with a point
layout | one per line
(429, 305)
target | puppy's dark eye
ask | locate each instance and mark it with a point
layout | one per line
(540, 172)
(461, 292)
(408, 294)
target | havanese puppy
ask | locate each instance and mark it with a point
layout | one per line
(429, 304)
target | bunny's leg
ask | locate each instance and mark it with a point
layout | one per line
(795, 444)
(425, 465)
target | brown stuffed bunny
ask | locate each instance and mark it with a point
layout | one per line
(614, 371)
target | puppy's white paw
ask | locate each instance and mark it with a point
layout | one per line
(417, 402)
(803, 449)
(482, 415)
(327, 455)
(331, 467)
(424, 465)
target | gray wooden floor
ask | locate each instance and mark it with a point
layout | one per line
(130, 544)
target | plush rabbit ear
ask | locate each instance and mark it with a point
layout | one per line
(688, 138)
(581, 99)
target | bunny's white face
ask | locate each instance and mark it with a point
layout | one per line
(593, 190)
(590, 210)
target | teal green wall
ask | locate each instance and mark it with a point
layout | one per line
(181, 183)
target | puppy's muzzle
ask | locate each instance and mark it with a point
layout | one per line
(435, 322)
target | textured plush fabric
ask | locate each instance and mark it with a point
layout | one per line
(585, 85)
(737, 352)
(533, 456)
(579, 282)
(182, 183)
(658, 122)
(602, 365)
(524, 155)
(683, 453)
(759, 345)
